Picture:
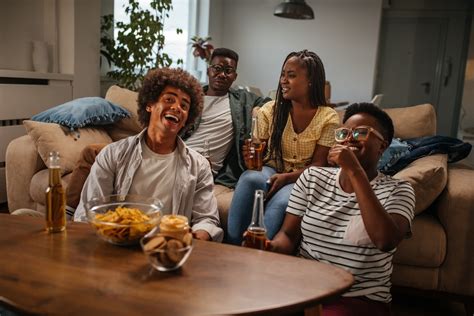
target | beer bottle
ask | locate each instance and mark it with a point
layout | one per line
(256, 234)
(55, 196)
(256, 147)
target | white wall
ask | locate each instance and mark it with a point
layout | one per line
(16, 37)
(86, 48)
(66, 36)
(70, 27)
(344, 34)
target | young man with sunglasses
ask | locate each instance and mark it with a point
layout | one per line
(351, 215)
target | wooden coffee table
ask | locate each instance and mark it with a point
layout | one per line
(76, 273)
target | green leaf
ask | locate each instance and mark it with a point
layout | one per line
(139, 44)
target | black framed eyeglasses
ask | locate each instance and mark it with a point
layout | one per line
(218, 69)
(359, 133)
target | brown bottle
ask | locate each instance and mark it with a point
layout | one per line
(55, 196)
(256, 147)
(256, 234)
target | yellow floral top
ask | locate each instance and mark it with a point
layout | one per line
(298, 149)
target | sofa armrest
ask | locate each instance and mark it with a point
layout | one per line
(455, 208)
(22, 162)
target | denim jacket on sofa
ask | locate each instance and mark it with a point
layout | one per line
(430, 145)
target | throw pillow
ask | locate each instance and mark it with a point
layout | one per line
(53, 137)
(128, 100)
(83, 112)
(428, 176)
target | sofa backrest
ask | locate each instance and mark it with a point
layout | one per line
(412, 121)
(409, 122)
(127, 99)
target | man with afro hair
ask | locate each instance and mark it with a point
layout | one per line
(156, 162)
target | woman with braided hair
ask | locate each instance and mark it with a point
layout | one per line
(299, 130)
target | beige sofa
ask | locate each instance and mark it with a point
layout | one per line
(437, 259)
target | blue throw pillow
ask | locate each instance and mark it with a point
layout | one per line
(83, 112)
(397, 149)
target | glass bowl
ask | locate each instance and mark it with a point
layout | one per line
(123, 219)
(164, 252)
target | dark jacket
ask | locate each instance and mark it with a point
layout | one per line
(241, 104)
(430, 145)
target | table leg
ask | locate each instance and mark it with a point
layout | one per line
(314, 311)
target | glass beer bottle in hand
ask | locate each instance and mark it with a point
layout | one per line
(55, 196)
(256, 234)
(256, 147)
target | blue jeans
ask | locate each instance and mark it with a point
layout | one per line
(240, 212)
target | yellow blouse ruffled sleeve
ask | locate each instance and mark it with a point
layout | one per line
(265, 115)
(330, 121)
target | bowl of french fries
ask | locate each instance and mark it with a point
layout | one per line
(168, 246)
(123, 219)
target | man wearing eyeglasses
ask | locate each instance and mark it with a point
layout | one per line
(226, 118)
(351, 215)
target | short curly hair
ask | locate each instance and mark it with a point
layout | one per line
(155, 82)
(384, 121)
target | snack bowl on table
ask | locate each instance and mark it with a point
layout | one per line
(123, 219)
(168, 246)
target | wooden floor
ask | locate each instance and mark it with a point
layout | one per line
(402, 305)
(406, 305)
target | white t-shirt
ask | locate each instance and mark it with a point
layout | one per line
(155, 173)
(333, 231)
(216, 127)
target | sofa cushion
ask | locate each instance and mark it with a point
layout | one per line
(39, 183)
(83, 112)
(53, 137)
(413, 121)
(223, 195)
(410, 122)
(428, 176)
(128, 100)
(427, 246)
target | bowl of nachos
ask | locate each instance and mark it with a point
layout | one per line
(123, 219)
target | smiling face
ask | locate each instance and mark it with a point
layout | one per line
(170, 113)
(368, 152)
(222, 74)
(294, 80)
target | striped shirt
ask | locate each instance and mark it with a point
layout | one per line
(298, 148)
(333, 231)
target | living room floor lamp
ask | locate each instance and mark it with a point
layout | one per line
(294, 9)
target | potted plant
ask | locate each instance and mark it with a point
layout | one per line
(139, 43)
(202, 48)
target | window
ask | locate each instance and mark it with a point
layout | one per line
(176, 45)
